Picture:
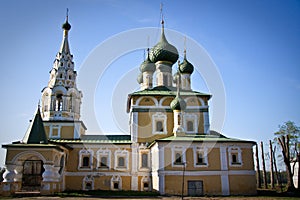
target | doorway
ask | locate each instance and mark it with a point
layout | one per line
(195, 188)
(32, 174)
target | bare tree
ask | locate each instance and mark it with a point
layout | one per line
(257, 167)
(263, 165)
(271, 166)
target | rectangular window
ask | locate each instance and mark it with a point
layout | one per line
(121, 162)
(85, 161)
(103, 162)
(144, 160)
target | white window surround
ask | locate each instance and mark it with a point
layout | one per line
(88, 180)
(82, 154)
(116, 179)
(159, 116)
(203, 151)
(235, 150)
(124, 154)
(54, 127)
(181, 151)
(193, 118)
(103, 153)
(144, 180)
(141, 152)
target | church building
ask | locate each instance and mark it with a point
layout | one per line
(169, 149)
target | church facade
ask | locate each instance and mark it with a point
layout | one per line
(170, 148)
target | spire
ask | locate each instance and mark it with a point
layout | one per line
(36, 134)
(65, 44)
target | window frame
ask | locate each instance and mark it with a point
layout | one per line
(235, 150)
(85, 153)
(188, 117)
(201, 150)
(175, 151)
(159, 117)
(103, 153)
(124, 154)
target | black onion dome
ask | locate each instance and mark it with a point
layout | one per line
(147, 66)
(66, 26)
(178, 103)
(163, 51)
(186, 67)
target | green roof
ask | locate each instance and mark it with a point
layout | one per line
(35, 133)
(22, 145)
(203, 138)
(167, 91)
(97, 139)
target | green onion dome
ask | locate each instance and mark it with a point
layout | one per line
(66, 26)
(163, 51)
(147, 66)
(140, 78)
(178, 103)
(186, 67)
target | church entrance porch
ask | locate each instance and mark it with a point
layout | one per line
(32, 175)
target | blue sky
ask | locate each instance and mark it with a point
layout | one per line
(254, 44)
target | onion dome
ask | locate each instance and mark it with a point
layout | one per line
(66, 26)
(140, 78)
(186, 67)
(147, 66)
(178, 103)
(163, 50)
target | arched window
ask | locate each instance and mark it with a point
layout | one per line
(116, 185)
(121, 162)
(190, 126)
(59, 102)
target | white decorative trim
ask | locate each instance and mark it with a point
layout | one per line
(103, 153)
(144, 97)
(206, 122)
(194, 119)
(124, 154)
(209, 172)
(223, 158)
(145, 179)
(54, 127)
(82, 153)
(225, 184)
(235, 150)
(88, 179)
(159, 116)
(141, 153)
(181, 150)
(116, 179)
(134, 126)
(203, 151)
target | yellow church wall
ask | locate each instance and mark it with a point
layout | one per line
(213, 157)
(201, 123)
(46, 153)
(247, 164)
(73, 182)
(67, 132)
(73, 160)
(193, 101)
(245, 187)
(145, 127)
(47, 130)
(211, 184)
(146, 101)
(167, 101)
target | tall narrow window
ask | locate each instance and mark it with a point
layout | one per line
(121, 162)
(144, 160)
(178, 158)
(159, 126)
(200, 158)
(235, 156)
(59, 102)
(86, 161)
(190, 126)
(103, 162)
(234, 160)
